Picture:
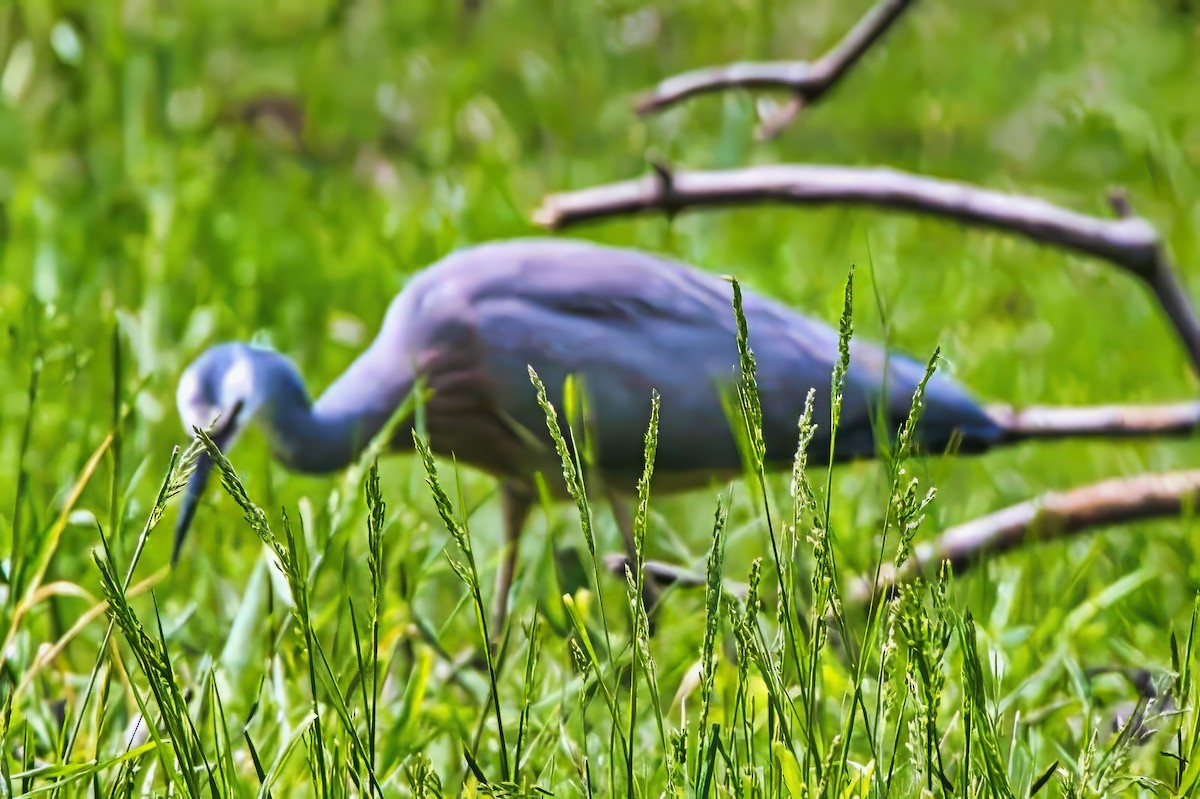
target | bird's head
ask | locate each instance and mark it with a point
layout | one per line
(220, 389)
(228, 387)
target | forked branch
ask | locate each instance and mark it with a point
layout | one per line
(1128, 241)
(1050, 517)
(807, 81)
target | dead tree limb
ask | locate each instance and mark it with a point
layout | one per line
(1052, 516)
(1128, 242)
(807, 81)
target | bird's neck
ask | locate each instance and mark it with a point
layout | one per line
(331, 433)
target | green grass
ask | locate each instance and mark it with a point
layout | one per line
(326, 636)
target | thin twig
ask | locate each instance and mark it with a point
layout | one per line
(664, 573)
(807, 81)
(1052, 516)
(1129, 242)
(1098, 421)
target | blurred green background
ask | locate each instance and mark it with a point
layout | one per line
(173, 174)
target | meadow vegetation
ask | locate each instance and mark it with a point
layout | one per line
(174, 174)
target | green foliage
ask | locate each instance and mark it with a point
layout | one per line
(177, 174)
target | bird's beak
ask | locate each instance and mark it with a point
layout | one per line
(222, 433)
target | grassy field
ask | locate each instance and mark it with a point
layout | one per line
(174, 174)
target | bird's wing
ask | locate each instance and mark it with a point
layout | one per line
(626, 323)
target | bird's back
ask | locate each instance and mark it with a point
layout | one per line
(627, 322)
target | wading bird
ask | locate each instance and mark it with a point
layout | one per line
(624, 321)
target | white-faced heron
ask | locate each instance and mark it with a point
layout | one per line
(626, 322)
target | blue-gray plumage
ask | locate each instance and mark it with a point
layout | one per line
(626, 322)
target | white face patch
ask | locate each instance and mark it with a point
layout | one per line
(238, 386)
(242, 388)
(195, 409)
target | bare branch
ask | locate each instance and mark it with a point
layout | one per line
(1129, 242)
(1049, 517)
(807, 81)
(1099, 421)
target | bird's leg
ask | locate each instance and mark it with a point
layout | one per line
(516, 502)
(624, 519)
